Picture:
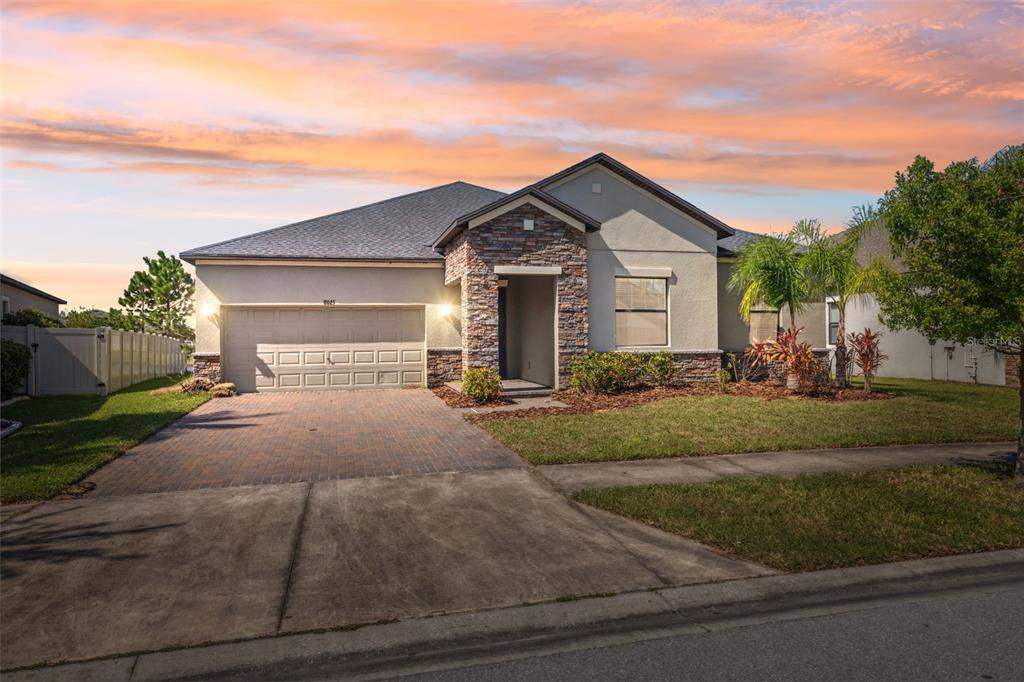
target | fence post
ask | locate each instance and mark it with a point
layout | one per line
(103, 359)
(32, 380)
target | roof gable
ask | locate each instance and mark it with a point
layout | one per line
(11, 282)
(544, 201)
(630, 175)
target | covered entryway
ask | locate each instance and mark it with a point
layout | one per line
(323, 348)
(526, 329)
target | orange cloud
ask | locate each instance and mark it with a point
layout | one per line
(832, 98)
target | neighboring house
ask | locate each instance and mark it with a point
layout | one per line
(15, 296)
(415, 289)
(912, 355)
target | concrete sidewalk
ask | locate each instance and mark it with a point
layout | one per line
(394, 649)
(573, 477)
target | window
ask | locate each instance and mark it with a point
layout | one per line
(5, 305)
(833, 322)
(641, 311)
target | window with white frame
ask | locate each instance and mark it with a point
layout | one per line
(5, 305)
(641, 311)
(833, 322)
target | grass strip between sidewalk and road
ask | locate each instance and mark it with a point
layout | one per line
(834, 520)
(65, 438)
(920, 412)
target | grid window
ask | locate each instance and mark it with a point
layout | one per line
(641, 311)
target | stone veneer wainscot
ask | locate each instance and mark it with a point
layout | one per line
(443, 365)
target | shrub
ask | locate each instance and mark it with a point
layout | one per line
(802, 369)
(743, 367)
(27, 316)
(866, 354)
(660, 368)
(225, 390)
(481, 384)
(723, 375)
(14, 363)
(605, 372)
(196, 385)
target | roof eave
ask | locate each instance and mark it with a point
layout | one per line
(191, 258)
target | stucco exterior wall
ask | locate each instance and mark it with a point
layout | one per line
(733, 331)
(639, 231)
(218, 285)
(812, 317)
(20, 300)
(912, 357)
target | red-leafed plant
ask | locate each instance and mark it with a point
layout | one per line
(796, 356)
(866, 354)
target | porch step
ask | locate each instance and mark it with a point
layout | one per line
(514, 393)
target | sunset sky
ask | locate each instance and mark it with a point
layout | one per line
(135, 126)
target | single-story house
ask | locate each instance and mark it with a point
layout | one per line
(15, 296)
(417, 288)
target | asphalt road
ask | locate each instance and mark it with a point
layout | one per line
(968, 636)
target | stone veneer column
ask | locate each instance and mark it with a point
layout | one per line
(479, 319)
(573, 318)
(207, 365)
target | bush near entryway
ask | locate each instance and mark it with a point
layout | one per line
(481, 384)
(615, 372)
(14, 361)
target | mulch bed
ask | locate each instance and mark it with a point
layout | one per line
(453, 398)
(588, 403)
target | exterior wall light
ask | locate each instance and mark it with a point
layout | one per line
(446, 309)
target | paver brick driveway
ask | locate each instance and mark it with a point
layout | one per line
(304, 436)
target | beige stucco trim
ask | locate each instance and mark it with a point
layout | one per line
(528, 269)
(659, 273)
(533, 201)
(321, 263)
(620, 179)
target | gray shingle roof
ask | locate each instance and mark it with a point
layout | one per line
(401, 228)
(730, 245)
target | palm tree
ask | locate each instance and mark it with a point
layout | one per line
(833, 268)
(770, 270)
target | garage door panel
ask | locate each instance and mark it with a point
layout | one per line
(270, 349)
(364, 378)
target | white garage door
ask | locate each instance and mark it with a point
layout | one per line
(273, 349)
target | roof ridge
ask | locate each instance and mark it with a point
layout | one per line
(333, 214)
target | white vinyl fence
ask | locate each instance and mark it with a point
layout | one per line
(97, 361)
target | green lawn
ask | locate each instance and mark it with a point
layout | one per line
(833, 520)
(921, 412)
(64, 438)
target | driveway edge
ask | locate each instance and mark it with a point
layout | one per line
(502, 634)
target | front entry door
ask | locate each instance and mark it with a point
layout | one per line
(502, 352)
